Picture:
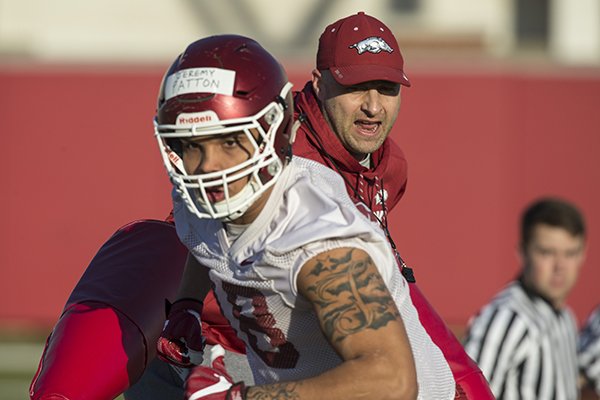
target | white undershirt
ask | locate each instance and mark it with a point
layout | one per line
(366, 162)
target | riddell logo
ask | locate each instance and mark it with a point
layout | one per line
(174, 157)
(193, 120)
(201, 118)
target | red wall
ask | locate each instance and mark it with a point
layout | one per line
(80, 160)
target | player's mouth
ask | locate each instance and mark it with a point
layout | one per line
(215, 195)
(367, 128)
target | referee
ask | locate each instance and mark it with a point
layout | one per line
(525, 339)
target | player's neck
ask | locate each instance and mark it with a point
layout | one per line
(254, 210)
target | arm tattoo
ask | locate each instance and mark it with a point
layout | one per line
(278, 391)
(350, 295)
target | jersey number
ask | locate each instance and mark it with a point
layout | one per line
(282, 353)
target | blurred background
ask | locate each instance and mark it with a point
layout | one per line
(504, 107)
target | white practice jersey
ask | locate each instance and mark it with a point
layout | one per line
(308, 212)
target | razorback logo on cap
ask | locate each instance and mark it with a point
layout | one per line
(371, 44)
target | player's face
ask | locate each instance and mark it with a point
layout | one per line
(217, 153)
(361, 115)
(552, 260)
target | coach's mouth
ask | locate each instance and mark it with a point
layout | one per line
(367, 128)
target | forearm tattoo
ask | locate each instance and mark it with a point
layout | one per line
(279, 391)
(350, 295)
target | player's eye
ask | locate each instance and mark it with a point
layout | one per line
(235, 140)
(186, 144)
(230, 142)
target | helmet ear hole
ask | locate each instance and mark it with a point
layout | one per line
(273, 169)
(271, 116)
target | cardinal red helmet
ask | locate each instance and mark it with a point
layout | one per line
(217, 86)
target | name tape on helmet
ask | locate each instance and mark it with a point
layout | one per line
(200, 80)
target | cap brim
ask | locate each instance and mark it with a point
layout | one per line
(355, 74)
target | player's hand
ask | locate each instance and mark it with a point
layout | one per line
(213, 383)
(181, 341)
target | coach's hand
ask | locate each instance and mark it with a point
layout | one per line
(181, 341)
(213, 383)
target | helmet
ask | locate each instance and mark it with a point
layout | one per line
(217, 86)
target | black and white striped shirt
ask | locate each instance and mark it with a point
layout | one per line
(525, 348)
(589, 349)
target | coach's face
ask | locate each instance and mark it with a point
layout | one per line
(552, 260)
(360, 115)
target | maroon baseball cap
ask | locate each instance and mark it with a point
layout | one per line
(360, 48)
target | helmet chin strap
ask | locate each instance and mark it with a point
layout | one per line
(233, 203)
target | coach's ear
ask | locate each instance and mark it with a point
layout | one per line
(317, 83)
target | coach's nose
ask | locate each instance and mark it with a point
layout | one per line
(371, 104)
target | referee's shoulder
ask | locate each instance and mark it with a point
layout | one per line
(513, 305)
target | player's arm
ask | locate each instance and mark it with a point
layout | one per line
(195, 282)
(181, 342)
(360, 320)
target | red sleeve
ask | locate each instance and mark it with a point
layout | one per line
(395, 173)
(107, 333)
